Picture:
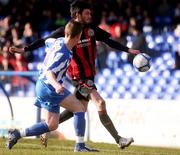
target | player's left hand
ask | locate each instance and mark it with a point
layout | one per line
(86, 88)
(13, 50)
(134, 52)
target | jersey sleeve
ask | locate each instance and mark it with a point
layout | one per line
(41, 42)
(104, 36)
(116, 45)
(34, 45)
(101, 35)
(57, 33)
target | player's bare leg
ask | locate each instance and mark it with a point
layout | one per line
(106, 121)
(65, 115)
(44, 137)
(80, 144)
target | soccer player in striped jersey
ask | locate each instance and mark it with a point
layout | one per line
(82, 67)
(51, 94)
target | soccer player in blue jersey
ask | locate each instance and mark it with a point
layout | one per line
(51, 93)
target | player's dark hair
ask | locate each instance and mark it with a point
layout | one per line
(78, 7)
(73, 28)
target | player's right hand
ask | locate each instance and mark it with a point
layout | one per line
(59, 89)
(134, 52)
(16, 50)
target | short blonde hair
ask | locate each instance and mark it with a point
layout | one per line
(73, 28)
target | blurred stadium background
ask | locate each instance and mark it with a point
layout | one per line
(143, 105)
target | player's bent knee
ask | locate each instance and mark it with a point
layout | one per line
(80, 107)
(85, 104)
(101, 105)
(53, 126)
(85, 108)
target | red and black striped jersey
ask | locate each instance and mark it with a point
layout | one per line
(82, 65)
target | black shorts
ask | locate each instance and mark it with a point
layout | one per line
(83, 88)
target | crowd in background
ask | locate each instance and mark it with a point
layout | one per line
(22, 22)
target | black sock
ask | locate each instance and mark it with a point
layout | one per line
(65, 115)
(108, 124)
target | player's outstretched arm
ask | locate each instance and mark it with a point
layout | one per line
(133, 51)
(41, 42)
(104, 36)
(114, 44)
(38, 43)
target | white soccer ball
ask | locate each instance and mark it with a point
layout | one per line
(142, 62)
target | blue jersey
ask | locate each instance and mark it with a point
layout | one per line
(57, 59)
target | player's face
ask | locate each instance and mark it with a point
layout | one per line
(76, 39)
(86, 16)
(79, 37)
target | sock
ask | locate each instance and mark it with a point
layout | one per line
(65, 115)
(106, 121)
(35, 130)
(79, 125)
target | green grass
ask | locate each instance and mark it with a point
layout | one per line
(57, 147)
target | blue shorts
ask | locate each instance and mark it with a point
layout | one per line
(47, 97)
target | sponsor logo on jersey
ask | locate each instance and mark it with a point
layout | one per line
(91, 32)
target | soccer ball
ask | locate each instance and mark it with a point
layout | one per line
(142, 62)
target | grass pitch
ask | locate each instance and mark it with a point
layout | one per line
(57, 147)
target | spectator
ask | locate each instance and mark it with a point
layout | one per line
(5, 63)
(19, 83)
(177, 58)
(15, 36)
(112, 18)
(4, 27)
(47, 22)
(147, 22)
(103, 24)
(28, 34)
(177, 14)
(177, 31)
(164, 17)
(60, 20)
(132, 24)
(138, 42)
(117, 33)
(28, 37)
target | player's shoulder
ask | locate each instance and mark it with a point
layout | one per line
(51, 41)
(60, 43)
(60, 29)
(101, 33)
(57, 33)
(97, 29)
(60, 40)
(93, 27)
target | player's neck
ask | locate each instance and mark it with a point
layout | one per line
(69, 43)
